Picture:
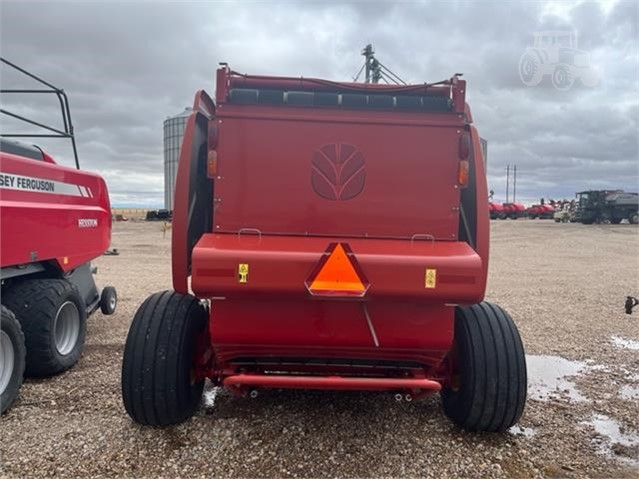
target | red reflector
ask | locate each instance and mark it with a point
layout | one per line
(337, 274)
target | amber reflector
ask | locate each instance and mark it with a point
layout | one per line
(211, 164)
(337, 274)
(462, 174)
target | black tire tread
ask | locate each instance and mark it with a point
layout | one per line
(492, 394)
(11, 326)
(35, 303)
(155, 390)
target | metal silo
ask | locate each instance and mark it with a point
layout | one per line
(173, 133)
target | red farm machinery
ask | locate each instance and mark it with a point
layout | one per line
(512, 211)
(53, 221)
(328, 236)
(542, 211)
(495, 210)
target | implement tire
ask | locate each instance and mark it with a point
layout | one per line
(53, 318)
(12, 359)
(108, 300)
(491, 367)
(157, 385)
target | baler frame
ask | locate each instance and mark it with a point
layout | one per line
(416, 282)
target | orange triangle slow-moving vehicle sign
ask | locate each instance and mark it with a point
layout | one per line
(337, 274)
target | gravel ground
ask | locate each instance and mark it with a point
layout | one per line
(564, 285)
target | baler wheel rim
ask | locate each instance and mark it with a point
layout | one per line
(7, 361)
(12, 358)
(66, 328)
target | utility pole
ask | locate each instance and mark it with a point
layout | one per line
(515, 185)
(507, 180)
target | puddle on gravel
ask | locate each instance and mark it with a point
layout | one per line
(209, 397)
(526, 432)
(625, 343)
(548, 377)
(629, 392)
(616, 442)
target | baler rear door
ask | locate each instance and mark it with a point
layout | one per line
(337, 173)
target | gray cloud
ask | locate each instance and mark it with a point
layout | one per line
(127, 66)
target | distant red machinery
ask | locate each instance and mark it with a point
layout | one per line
(53, 221)
(512, 211)
(541, 211)
(328, 236)
(495, 209)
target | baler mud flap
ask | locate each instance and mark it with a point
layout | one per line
(339, 383)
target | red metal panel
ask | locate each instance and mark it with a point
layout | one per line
(311, 324)
(270, 158)
(307, 328)
(70, 224)
(281, 265)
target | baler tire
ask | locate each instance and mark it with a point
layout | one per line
(12, 357)
(157, 385)
(39, 304)
(491, 365)
(108, 300)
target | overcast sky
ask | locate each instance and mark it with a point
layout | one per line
(127, 66)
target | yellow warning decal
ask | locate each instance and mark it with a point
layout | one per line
(242, 273)
(431, 278)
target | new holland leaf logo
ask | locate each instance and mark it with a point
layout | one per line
(338, 172)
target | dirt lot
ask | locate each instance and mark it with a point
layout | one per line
(564, 284)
